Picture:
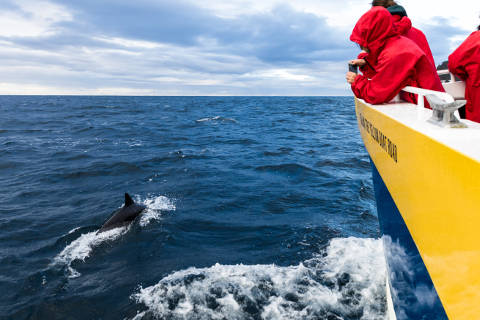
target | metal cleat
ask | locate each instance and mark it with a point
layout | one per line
(443, 112)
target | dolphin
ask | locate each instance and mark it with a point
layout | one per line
(123, 216)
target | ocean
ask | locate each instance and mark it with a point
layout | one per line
(257, 208)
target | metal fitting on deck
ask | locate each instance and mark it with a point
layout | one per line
(443, 112)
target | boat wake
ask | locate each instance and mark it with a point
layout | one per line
(81, 248)
(346, 281)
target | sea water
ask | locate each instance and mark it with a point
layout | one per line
(257, 208)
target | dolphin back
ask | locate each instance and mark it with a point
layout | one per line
(123, 216)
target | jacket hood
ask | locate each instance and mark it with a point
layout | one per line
(402, 25)
(397, 11)
(373, 29)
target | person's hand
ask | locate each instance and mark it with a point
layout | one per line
(358, 62)
(351, 77)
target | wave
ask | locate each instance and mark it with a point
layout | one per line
(346, 282)
(99, 107)
(78, 156)
(81, 248)
(344, 163)
(10, 165)
(177, 155)
(101, 169)
(217, 118)
(291, 169)
(134, 143)
(155, 207)
(281, 151)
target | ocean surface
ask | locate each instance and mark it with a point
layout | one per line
(257, 208)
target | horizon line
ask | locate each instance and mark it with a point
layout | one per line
(122, 95)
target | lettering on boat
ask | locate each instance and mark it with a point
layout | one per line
(383, 141)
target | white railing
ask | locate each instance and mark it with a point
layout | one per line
(443, 72)
(455, 88)
(423, 92)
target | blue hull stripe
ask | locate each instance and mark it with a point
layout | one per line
(413, 293)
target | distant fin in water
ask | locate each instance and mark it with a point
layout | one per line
(128, 200)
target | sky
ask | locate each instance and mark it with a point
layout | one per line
(191, 48)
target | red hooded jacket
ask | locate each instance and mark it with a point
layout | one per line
(397, 61)
(465, 63)
(404, 27)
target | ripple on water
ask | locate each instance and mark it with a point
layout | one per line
(245, 158)
(291, 169)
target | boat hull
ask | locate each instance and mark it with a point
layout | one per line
(428, 196)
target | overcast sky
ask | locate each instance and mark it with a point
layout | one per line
(209, 47)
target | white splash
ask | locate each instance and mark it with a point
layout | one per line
(73, 230)
(347, 281)
(155, 207)
(81, 248)
(217, 118)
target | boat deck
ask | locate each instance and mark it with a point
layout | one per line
(459, 139)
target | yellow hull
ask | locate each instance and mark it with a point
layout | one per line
(437, 192)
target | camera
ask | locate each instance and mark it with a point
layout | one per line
(353, 68)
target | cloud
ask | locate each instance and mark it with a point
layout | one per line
(27, 18)
(173, 48)
(443, 37)
(280, 35)
(187, 48)
(283, 35)
(176, 22)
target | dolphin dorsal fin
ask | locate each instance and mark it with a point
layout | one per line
(128, 200)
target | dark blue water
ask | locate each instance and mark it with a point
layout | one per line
(258, 208)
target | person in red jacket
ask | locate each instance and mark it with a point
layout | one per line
(403, 24)
(465, 63)
(396, 61)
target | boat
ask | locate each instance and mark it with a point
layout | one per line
(426, 176)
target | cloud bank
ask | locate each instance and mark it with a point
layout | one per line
(169, 47)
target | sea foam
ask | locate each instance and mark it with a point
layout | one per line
(346, 281)
(217, 118)
(81, 248)
(154, 208)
